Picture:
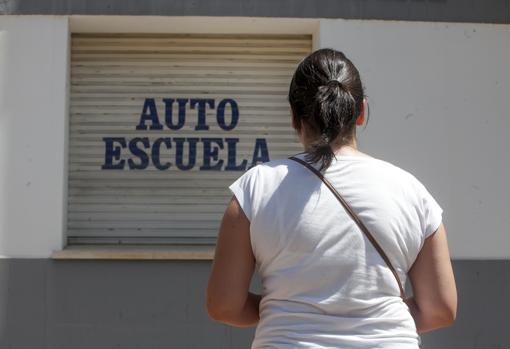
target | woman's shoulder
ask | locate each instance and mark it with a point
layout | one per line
(269, 170)
(273, 167)
(408, 181)
(279, 168)
(270, 174)
(387, 166)
(394, 169)
(402, 174)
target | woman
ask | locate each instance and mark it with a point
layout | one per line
(324, 284)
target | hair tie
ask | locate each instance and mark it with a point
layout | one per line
(335, 81)
(325, 137)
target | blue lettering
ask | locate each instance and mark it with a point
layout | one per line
(231, 162)
(212, 153)
(169, 102)
(202, 103)
(143, 150)
(260, 147)
(149, 113)
(179, 153)
(156, 147)
(144, 158)
(113, 153)
(220, 114)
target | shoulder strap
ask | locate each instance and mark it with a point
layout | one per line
(358, 221)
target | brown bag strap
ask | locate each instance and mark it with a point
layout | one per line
(358, 221)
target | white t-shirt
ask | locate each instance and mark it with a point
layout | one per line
(324, 284)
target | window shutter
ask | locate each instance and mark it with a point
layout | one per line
(124, 83)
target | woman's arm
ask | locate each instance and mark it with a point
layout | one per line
(228, 299)
(434, 301)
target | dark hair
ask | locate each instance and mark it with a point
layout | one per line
(326, 92)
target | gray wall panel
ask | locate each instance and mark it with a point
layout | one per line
(131, 305)
(490, 11)
(484, 303)
(4, 296)
(26, 304)
(48, 304)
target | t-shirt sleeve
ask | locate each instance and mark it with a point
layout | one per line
(243, 188)
(431, 213)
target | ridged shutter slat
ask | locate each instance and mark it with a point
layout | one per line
(111, 77)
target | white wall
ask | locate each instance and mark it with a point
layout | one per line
(33, 119)
(439, 95)
(440, 100)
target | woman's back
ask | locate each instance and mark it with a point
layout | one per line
(324, 284)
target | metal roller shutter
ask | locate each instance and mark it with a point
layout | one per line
(116, 193)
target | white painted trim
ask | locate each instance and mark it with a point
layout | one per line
(192, 25)
(65, 166)
(172, 252)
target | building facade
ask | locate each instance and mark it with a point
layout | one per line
(123, 122)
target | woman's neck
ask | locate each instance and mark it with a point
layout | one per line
(349, 148)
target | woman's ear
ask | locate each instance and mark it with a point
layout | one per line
(360, 120)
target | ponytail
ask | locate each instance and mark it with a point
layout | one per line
(332, 105)
(326, 92)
